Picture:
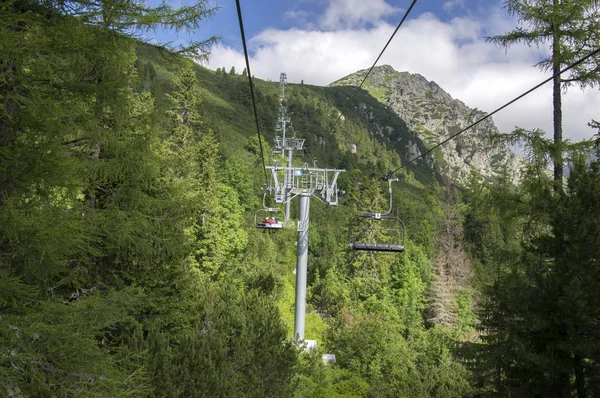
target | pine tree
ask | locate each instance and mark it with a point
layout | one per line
(573, 30)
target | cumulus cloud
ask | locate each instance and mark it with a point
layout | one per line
(452, 53)
(452, 4)
(300, 17)
(346, 14)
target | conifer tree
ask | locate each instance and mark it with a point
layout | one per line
(82, 207)
(572, 28)
(537, 312)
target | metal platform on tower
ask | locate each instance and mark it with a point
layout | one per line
(282, 144)
(321, 183)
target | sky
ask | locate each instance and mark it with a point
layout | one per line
(320, 41)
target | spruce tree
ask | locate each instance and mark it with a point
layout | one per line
(536, 312)
(83, 210)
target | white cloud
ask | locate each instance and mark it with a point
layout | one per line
(454, 54)
(346, 14)
(452, 4)
(300, 17)
(226, 57)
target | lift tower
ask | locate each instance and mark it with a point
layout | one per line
(285, 144)
(289, 182)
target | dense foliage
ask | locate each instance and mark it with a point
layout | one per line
(117, 233)
(540, 303)
(537, 242)
(130, 265)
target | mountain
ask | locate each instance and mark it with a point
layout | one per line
(434, 115)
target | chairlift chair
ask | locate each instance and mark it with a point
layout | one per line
(364, 227)
(265, 218)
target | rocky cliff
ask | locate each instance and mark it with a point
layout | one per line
(434, 115)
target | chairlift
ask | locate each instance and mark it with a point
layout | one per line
(266, 218)
(366, 226)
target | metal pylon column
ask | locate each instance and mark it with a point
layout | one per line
(301, 266)
(287, 189)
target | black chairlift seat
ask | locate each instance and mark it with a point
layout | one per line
(367, 225)
(377, 247)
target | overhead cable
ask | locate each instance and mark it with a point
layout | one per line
(377, 60)
(571, 66)
(262, 156)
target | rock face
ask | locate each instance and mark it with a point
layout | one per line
(434, 115)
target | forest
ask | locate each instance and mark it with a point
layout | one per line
(130, 265)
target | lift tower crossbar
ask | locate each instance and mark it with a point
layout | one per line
(297, 180)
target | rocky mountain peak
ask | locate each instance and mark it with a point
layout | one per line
(434, 115)
(385, 69)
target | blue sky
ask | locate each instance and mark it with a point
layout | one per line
(287, 14)
(320, 41)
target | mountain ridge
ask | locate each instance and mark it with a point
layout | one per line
(434, 115)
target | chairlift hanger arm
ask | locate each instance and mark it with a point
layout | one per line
(377, 214)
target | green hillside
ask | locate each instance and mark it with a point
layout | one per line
(226, 107)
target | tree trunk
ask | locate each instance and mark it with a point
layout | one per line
(96, 148)
(91, 194)
(557, 102)
(579, 377)
(561, 381)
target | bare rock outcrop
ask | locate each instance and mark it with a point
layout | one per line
(434, 116)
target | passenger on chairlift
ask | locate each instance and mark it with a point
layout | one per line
(266, 221)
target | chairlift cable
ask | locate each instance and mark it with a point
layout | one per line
(571, 66)
(262, 156)
(377, 60)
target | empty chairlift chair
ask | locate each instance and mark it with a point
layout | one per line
(377, 232)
